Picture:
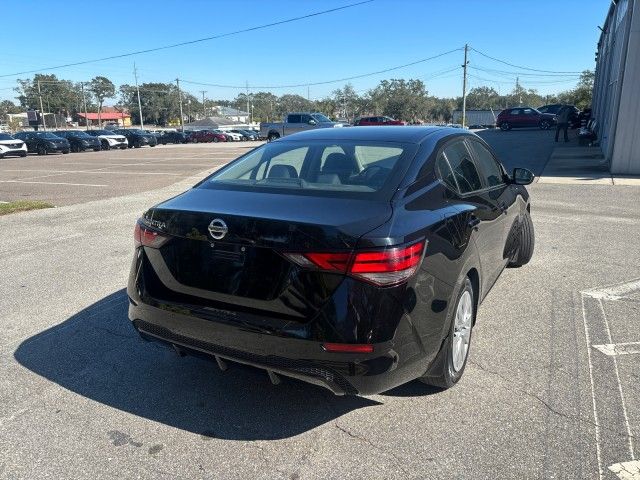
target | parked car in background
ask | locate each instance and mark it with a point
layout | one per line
(354, 259)
(366, 121)
(44, 143)
(232, 136)
(206, 136)
(554, 108)
(227, 136)
(521, 117)
(137, 138)
(246, 134)
(80, 140)
(12, 146)
(294, 123)
(171, 137)
(109, 139)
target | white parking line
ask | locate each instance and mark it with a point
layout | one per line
(627, 470)
(613, 349)
(593, 393)
(57, 183)
(614, 292)
(99, 171)
(615, 368)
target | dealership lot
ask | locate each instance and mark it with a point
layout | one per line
(80, 177)
(551, 391)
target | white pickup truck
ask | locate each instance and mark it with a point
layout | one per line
(296, 122)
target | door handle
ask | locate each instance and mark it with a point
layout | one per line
(504, 208)
(473, 222)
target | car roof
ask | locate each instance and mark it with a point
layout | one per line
(405, 134)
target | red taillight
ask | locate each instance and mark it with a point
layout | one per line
(347, 348)
(143, 236)
(383, 267)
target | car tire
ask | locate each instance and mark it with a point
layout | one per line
(545, 125)
(105, 145)
(272, 137)
(526, 243)
(97, 149)
(23, 154)
(215, 140)
(152, 145)
(504, 126)
(66, 152)
(41, 150)
(456, 350)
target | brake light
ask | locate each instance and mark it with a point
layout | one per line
(347, 348)
(383, 267)
(146, 237)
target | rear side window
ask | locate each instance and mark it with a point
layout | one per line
(464, 169)
(515, 111)
(489, 168)
(443, 170)
(293, 119)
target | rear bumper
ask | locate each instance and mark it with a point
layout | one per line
(342, 373)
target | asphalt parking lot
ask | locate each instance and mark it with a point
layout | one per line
(81, 177)
(552, 389)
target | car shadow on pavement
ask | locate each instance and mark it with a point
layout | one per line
(97, 354)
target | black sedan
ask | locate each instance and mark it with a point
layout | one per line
(354, 259)
(79, 140)
(44, 143)
(171, 137)
(138, 138)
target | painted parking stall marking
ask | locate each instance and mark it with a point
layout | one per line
(613, 435)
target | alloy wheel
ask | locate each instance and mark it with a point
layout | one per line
(462, 330)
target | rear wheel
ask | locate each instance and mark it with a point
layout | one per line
(41, 150)
(504, 126)
(273, 136)
(459, 340)
(65, 152)
(215, 140)
(526, 243)
(545, 125)
(105, 145)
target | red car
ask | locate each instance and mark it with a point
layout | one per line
(524, 117)
(365, 121)
(206, 136)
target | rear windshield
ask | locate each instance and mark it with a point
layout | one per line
(319, 167)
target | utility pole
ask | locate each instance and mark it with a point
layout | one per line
(180, 98)
(44, 122)
(248, 111)
(84, 101)
(464, 86)
(135, 74)
(308, 94)
(519, 91)
(189, 109)
(204, 105)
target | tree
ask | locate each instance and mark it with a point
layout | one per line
(7, 106)
(159, 101)
(61, 96)
(102, 88)
(483, 98)
(581, 96)
(401, 99)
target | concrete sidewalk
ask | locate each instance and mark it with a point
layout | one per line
(578, 165)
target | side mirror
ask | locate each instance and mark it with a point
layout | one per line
(522, 176)
(312, 122)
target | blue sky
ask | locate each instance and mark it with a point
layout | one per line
(547, 34)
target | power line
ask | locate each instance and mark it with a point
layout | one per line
(191, 42)
(519, 66)
(311, 84)
(512, 73)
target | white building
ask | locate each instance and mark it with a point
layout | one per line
(233, 114)
(616, 103)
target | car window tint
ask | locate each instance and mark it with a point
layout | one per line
(293, 119)
(463, 167)
(515, 111)
(305, 118)
(491, 171)
(528, 111)
(328, 151)
(292, 158)
(373, 155)
(444, 172)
